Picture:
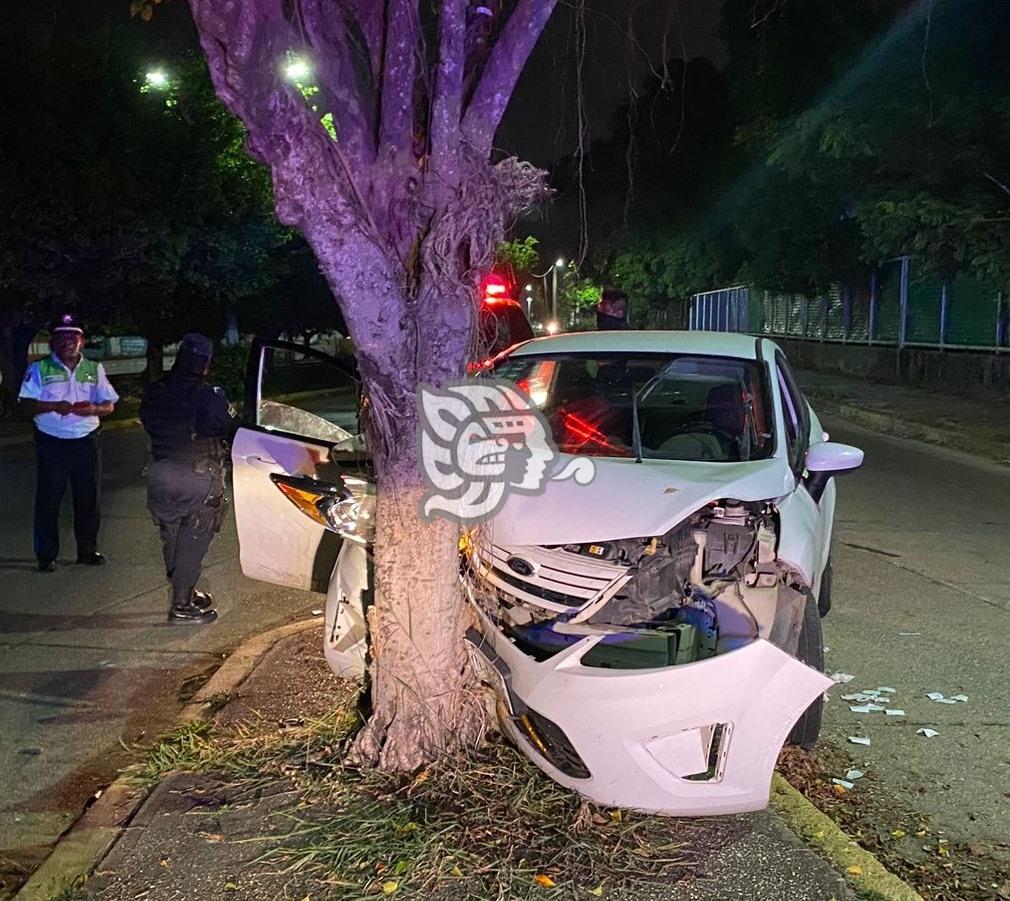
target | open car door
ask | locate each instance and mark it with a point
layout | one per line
(299, 437)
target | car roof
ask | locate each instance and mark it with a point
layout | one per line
(724, 344)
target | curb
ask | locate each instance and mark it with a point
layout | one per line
(887, 424)
(864, 872)
(111, 425)
(89, 839)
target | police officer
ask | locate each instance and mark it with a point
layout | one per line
(189, 423)
(67, 394)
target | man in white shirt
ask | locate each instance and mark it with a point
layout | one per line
(67, 394)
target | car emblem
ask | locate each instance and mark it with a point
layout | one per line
(520, 566)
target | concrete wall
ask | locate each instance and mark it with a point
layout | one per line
(952, 369)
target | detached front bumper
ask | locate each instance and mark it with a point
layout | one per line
(690, 740)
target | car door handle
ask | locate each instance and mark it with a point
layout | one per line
(262, 463)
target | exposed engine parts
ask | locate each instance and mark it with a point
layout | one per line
(714, 582)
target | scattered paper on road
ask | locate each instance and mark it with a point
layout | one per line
(962, 698)
(887, 690)
(860, 708)
(934, 695)
(842, 678)
(317, 612)
(894, 711)
(929, 733)
(859, 740)
(844, 783)
(910, 633)
(854, 774)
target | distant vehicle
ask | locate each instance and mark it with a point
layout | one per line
(654, 636)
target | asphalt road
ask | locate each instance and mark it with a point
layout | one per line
(922, 604)
(88, 663)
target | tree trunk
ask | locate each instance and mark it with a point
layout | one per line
(155, 360)
(424, 701)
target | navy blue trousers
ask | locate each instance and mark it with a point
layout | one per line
(58, 461)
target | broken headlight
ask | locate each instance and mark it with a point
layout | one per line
(347, 509)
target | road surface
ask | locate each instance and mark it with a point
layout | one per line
(87, 660)
(922, 604)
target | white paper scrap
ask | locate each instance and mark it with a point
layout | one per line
(844, 783)
(875, 708)
(944, 700)
(894, 711)
(934, 695)
(854, 774)
(859, 740)
(929, 733)
(886, 689)
(317, 612)
(860, 708)
(842, 678)
(872, 692)
(962, 698)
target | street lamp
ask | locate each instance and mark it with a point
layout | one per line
(529, 301)
(554, 286)
(156, 79)
(297, 69)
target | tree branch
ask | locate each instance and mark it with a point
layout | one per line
(332, 59)
(447, 105)
(368, 16)
(399, 71)
(490, 98)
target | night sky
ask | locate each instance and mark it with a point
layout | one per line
(541, 121)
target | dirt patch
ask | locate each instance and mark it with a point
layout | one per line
(902, 839)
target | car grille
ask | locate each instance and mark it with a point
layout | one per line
(558, 581)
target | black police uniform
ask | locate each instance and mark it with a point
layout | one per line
(189, 423)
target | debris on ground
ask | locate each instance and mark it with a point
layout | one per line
(929, 733)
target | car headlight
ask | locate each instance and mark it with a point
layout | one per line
(347, 509)
(352, 513)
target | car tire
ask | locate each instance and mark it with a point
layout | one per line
(811, 652)
(824, 596)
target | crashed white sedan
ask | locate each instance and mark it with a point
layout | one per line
(653, 636)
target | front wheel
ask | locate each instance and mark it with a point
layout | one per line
(811, 652)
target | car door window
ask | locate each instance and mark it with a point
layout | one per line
(795, 413)
(306, 394)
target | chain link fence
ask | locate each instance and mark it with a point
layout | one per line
(889, 307)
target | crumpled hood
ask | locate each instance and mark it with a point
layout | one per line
(626, 499)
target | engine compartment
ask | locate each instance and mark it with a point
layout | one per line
(710, 585)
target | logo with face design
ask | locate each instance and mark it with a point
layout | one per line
(480, 441)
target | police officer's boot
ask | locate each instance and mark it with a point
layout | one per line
(184, 612)
(202, 599)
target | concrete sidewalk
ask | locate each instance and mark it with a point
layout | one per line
(973, 423)
(201, 836)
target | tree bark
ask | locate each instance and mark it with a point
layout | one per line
(424, 702)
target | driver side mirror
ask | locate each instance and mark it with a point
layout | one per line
(829, 459)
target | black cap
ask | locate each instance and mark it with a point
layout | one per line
(68, 322)
(197, 344)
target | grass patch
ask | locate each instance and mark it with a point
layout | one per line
(250, 752)
(489, 826)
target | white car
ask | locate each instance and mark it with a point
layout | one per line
(654, 636)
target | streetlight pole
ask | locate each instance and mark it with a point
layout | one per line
(554, 287)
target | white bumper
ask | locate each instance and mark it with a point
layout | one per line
(640, 733)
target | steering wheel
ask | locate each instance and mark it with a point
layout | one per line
(726, 439)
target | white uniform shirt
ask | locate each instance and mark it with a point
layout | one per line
(49, 380)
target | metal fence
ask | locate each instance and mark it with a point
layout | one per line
(889, 307)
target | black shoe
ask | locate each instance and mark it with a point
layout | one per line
(191, 615)
(202, 599)
(91, 559)
(47, 566)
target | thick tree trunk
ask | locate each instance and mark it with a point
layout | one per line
(424, 701)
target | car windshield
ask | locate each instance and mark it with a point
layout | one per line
(689, 407)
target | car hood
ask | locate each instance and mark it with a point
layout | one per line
(626, 499)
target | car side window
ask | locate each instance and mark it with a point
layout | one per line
(307, 395)
(795, 412)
